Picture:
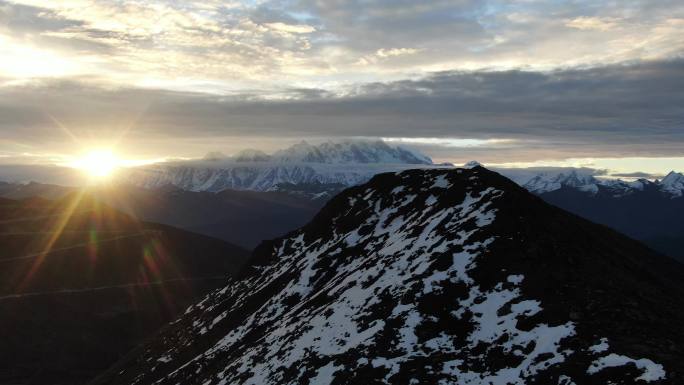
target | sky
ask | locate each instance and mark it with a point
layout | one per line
(507, 82)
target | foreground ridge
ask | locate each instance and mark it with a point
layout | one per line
(432, 276)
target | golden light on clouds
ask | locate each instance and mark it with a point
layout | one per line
(25, 61)
(238, 45)
(593, 23)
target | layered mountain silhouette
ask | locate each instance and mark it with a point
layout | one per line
(671, 186)
(432, 276)
(650, 212)
(241, 217)
(82, 283)
(244, 218)
(34, 190)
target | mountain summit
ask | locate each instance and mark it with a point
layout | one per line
(545, 182)
(432, 276)
(673, 183)
(345, 163)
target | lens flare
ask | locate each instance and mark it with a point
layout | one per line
(98, 163)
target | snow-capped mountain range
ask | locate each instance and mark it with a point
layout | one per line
(346, 163)
(672, 185)
(354, 162)
(649, 211)
(431, 277)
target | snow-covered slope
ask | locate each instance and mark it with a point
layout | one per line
(346, 163)
(431, 277)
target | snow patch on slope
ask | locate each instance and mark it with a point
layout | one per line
(651, 370)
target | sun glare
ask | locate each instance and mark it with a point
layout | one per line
(98, 163)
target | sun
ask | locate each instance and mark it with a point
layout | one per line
(98, 164)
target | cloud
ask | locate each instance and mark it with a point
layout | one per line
(450, 142)
(514, 116)
(228, 45)
(391, 52)
(593, 23)
(637, 174)
(384, 54)
(496, 80)
(24, 19)
(130, 42)
(290, 28)
(502, 34)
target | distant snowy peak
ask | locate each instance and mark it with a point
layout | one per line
(626, 187)
(546, 182)
(354, 152)
(673, 183)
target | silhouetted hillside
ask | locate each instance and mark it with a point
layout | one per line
(82, 283)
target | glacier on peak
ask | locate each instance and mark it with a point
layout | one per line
(330, 163)
(673, 183)
(545, 182)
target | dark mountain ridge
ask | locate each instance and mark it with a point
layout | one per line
(82, 283)
(240, 217)
(648, 211)
(243, 218)
(647, 215)
(432, 276)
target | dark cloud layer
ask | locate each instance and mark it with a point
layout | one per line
(23, 19)
(637, 174)
(619, 110)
